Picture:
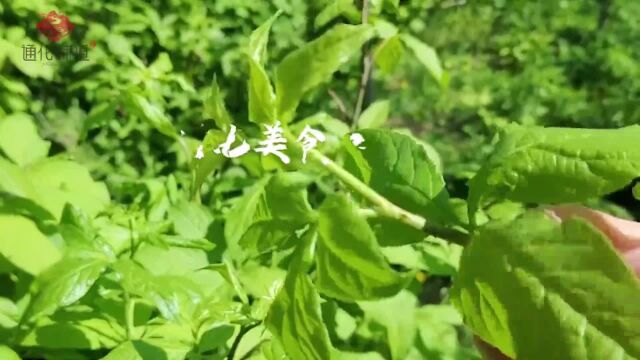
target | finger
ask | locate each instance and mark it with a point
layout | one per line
(624, 234)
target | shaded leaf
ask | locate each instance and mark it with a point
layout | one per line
(350, 263)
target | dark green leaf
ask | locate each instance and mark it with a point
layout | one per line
(351, 265)
(399, 169)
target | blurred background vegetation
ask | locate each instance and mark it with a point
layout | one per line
(553, 63)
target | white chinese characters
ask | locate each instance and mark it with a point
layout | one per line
(226, 150)
(275, 143)
(309, 139)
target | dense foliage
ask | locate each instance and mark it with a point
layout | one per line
(125, 235)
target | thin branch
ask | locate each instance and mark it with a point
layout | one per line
(386, 208)
(367, 59)
(340, 104)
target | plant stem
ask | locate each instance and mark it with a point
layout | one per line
(385, 207)
(366, 69)
(236, 342)
(129, 311)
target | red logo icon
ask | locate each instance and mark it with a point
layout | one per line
(55, 26)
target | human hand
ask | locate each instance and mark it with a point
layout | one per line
(624, 235)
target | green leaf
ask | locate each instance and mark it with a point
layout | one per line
(228, 272)
(334, 9)
(268, 235)
(152, 113)
(262, 100)
(344, 355)
(440, 257)
(279, 197)
(215, 109)
(351, 265)
(391, 232)
(162, 65)
(20, 141)
(7, 354)
(190, 220)
(439, 333)
(23, 245)
(314, 63)
(534, 284)
(398, 168)
(211, 161)
(61, 181)
(259, 39)
(175, 296)
(427, 56)
(294, 318)
(74, 331)
(9, 314)
(375, 115)
(388, 54)
(16, 205)
(636, 191)
(146, 350)
(65, 283)
(14, 180)
(400, 326)
(556, 165)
